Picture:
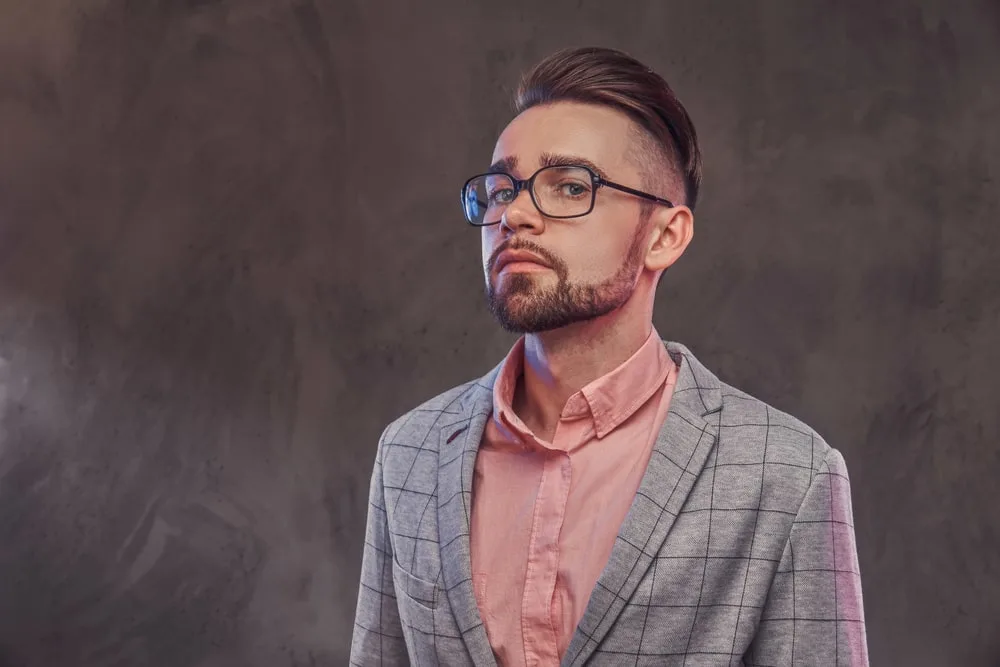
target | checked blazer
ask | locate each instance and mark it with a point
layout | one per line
(738, 548)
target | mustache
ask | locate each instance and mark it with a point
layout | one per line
(526, 246)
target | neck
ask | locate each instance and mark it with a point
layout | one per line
(559, 363)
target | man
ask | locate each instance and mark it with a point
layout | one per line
(600, 497)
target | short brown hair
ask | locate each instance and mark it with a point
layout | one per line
(615, 79)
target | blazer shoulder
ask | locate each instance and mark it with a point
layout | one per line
(781, 437)
(415, 425)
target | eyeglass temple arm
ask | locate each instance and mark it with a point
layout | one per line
(637, 193)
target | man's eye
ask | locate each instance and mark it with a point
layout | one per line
(573, 189)
(501, 196)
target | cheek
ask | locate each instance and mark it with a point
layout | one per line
(595, 263)
(487, 244)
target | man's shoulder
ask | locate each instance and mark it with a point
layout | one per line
(751, 428)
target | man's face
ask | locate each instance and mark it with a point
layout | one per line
(593, 261)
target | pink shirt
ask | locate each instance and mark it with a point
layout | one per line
(545, 514)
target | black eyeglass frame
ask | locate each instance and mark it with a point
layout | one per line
(528, 183)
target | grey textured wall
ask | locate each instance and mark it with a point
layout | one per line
(231, 252)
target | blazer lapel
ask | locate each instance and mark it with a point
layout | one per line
(459, 442)
(682, 446)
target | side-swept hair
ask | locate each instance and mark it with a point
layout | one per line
(615, 79)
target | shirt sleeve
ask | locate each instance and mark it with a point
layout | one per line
(814, 612)
(378, 634)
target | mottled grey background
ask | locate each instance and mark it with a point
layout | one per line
(231, 252)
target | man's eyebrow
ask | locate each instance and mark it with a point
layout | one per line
(504, 164)
(509, 163)
(555, 160)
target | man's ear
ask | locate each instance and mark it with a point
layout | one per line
(671, 230)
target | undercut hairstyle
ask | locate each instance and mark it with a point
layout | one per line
(666, 140)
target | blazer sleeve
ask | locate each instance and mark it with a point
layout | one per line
(378, 634)
(814, 612)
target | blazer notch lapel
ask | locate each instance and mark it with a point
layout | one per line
(458, 444)
(688, 434)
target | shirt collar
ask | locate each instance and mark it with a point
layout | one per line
(609, 400)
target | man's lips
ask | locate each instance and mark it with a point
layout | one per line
(520, 260)
(522, 267)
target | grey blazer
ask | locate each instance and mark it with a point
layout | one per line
(738, 548)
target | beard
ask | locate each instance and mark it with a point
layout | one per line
(523, 306)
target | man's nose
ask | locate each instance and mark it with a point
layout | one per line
(521, 212)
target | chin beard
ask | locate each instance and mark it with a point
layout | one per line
(524, 307)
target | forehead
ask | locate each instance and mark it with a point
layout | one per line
(597, 133)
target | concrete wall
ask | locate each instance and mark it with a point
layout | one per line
(231, 252)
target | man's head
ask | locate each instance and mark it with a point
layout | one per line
(604, 110)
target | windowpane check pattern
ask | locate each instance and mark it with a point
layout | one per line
(739, 547)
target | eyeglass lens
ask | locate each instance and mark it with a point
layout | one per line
(559, 192)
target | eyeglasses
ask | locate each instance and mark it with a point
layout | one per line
(556, 191)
